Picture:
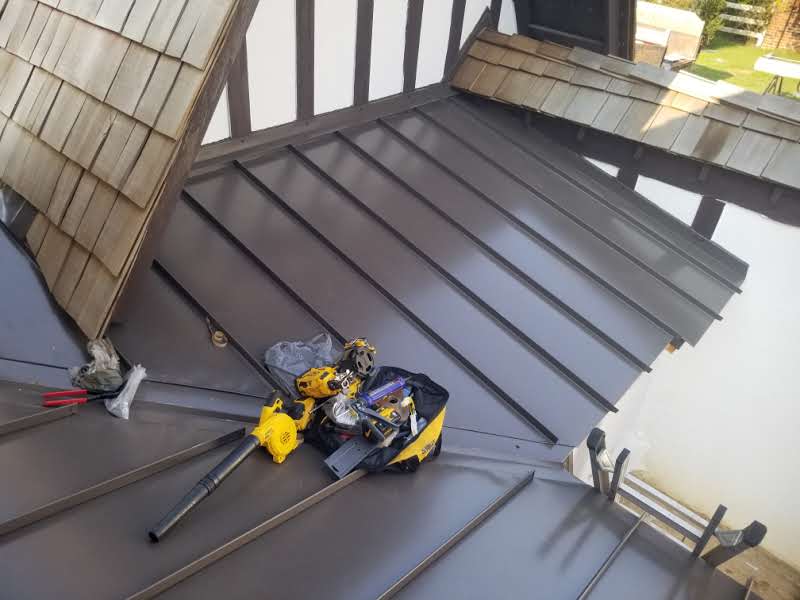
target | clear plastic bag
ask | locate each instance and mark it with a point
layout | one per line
(102, 373)
(120, 405)
(286, 360)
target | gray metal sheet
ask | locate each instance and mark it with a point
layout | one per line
(546, 543)
(608, 188)
(346, 301)
(74, 453)
(237, 293)
(33, 328)
(547, 394)
(188, 357)
(566, 340)
(359, 541)
(203, 401)
(100, 549)
(36, 374)
(663, 301)
(649, 561)
(17, 402)
(596, 215)
(608, 312)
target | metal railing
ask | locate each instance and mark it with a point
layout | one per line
(756, 21)
(612, 479)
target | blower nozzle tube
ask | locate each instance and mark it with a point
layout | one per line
(204, 487)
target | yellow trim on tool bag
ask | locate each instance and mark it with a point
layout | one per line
(425, 441)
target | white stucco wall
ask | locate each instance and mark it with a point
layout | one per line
(718, 423)
(271, 55)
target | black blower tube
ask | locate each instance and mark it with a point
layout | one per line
(204, 487)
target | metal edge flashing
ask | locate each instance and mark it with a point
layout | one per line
(39, 418)
(115, 483)
(457, 537)
(611, 557)
(250, 146)
(234, 544)
(471, 368)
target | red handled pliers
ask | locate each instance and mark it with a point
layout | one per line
(68, 397)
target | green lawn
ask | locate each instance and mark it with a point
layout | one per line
(728, 58)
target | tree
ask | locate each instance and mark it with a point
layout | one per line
(711, 12)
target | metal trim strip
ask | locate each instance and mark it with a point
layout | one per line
(115, 483)
(456, 538)
(39, 418)
(234, 544)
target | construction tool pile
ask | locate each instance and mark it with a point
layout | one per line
(361, 416)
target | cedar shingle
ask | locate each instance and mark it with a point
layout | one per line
(515, 87)
(558, 70)
(467, 73)
(538, 92)
(586, 105)
(535, 65)
(559, 98)
(513, 59)
(489, 80)
(523, 43)
(636, 121)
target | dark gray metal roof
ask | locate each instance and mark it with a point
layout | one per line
(534, 289)
(453, 239)
(106, 480)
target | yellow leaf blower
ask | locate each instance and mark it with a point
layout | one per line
(277, 431)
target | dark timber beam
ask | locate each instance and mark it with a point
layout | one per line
(522, 8)
(239, 95)
(729, 186)
(613, 26)
(411, 55)
(628, 175)
(707, 216)
(366, 9)
(456, 28)
(304, 31)
(496, 7)
(224, 151)
(188, 147)
(483, 22)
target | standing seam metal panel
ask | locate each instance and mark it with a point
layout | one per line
(348, 302)
(496, 118)
(459, 204)
(418, 226)
(599, 218)
(688, 319)
(548, 395)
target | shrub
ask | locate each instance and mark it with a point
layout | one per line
(711, 12)
(763, 17)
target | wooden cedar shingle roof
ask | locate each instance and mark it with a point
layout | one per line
(94, 99)
(714, 122)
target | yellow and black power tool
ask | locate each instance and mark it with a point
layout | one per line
(278, 431)
(280, 424)
(411, 426)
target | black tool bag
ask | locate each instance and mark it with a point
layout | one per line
(429, 400)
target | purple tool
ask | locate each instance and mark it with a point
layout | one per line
(373, 396)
